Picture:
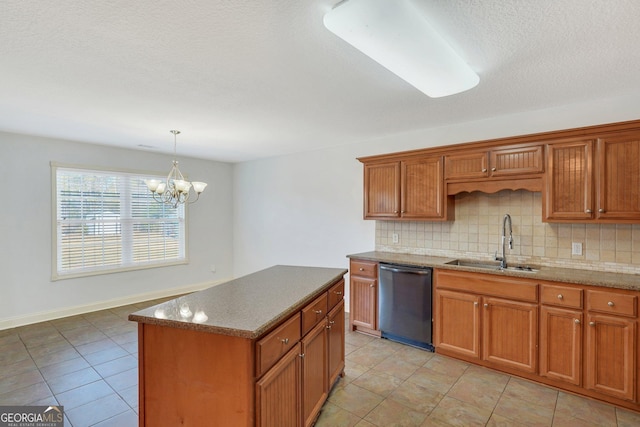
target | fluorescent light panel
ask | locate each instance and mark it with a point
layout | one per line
(396, 35)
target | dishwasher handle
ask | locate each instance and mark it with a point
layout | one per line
(410, 270)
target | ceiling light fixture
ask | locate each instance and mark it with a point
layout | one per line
(397, 36)
(175, 190)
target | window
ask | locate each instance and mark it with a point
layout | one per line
(108, 221)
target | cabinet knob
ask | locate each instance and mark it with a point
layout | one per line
(475, 304)
(332, 322)
(371, 285)
(301, 355)
(395, 211)
(484, 170)
(576, 321)
(285, 341)
(328, 326)
(592, 323)
(588, 211)
(361, 269)
(493, 169)
(402, 211)
(317, 311)
(338, 293)
(601, 210)
(610, 304)
(486, 306)
(560, 296)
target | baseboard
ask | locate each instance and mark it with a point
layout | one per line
(44, 316)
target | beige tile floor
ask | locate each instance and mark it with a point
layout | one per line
(88, 363)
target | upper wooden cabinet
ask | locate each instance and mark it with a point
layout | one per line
(569, 182)
(593, 180)
(496, 163)
(619, 177)
(406, 189)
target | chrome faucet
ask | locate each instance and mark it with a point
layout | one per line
(503, 258)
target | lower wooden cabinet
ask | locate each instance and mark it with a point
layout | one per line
(335, 341)
(611, 354)
(561, 344)
(510, 333)
(363, 313)
(314, 372)
(457, 323)
(278, 393)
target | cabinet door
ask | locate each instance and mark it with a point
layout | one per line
(422, 188)
(516, 161)
(467, 165)
(364, 302)
(611, 347)
(561, 344)
(568, 193)
(336, 342)
(314, 372)
(510, 333)
(457, 323)
(619, 178)
(382, 190)
(278, 393)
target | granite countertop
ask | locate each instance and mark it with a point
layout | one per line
(564, 275)
(246, 307)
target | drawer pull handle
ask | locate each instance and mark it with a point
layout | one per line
(610, 304)
(338, 293)
(592, 323)
(576, 321)
(332, 322)
(285, 341)
(317, 311)
(560, 296)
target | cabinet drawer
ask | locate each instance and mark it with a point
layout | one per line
(270, 348)
(314, 312)
(611, 303)
(364, 268)
(561, 296)
(336, 294)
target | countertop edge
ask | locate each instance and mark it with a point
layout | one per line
(552, 274)
(240, 333)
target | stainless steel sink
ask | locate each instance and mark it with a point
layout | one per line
(491, 266)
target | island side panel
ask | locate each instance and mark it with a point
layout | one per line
(194, 378)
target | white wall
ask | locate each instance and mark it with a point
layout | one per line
(306, 208)
(26, 292)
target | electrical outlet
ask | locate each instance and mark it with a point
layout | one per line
(395, 238)
(576, 248)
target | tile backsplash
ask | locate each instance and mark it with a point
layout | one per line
(477, 228)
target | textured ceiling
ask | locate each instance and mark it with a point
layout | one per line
(244, 79)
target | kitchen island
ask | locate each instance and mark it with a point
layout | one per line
(263, 349)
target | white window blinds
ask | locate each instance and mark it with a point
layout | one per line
(108, 221)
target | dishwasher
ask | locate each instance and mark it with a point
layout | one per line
(404, 305)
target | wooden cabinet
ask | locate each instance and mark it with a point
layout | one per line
(457, 323)
(561, 339)
(363, 312)
(510, 333)
(472, 323)
(335, 341)
(495, 163)
(314, 372)
(618, 174)
(406, 189)
(611, 343)
(593, 180)
(278, 393)
(569, 181)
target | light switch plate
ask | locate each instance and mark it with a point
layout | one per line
(576, 248)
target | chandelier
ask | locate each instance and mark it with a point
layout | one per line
(175, 190)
